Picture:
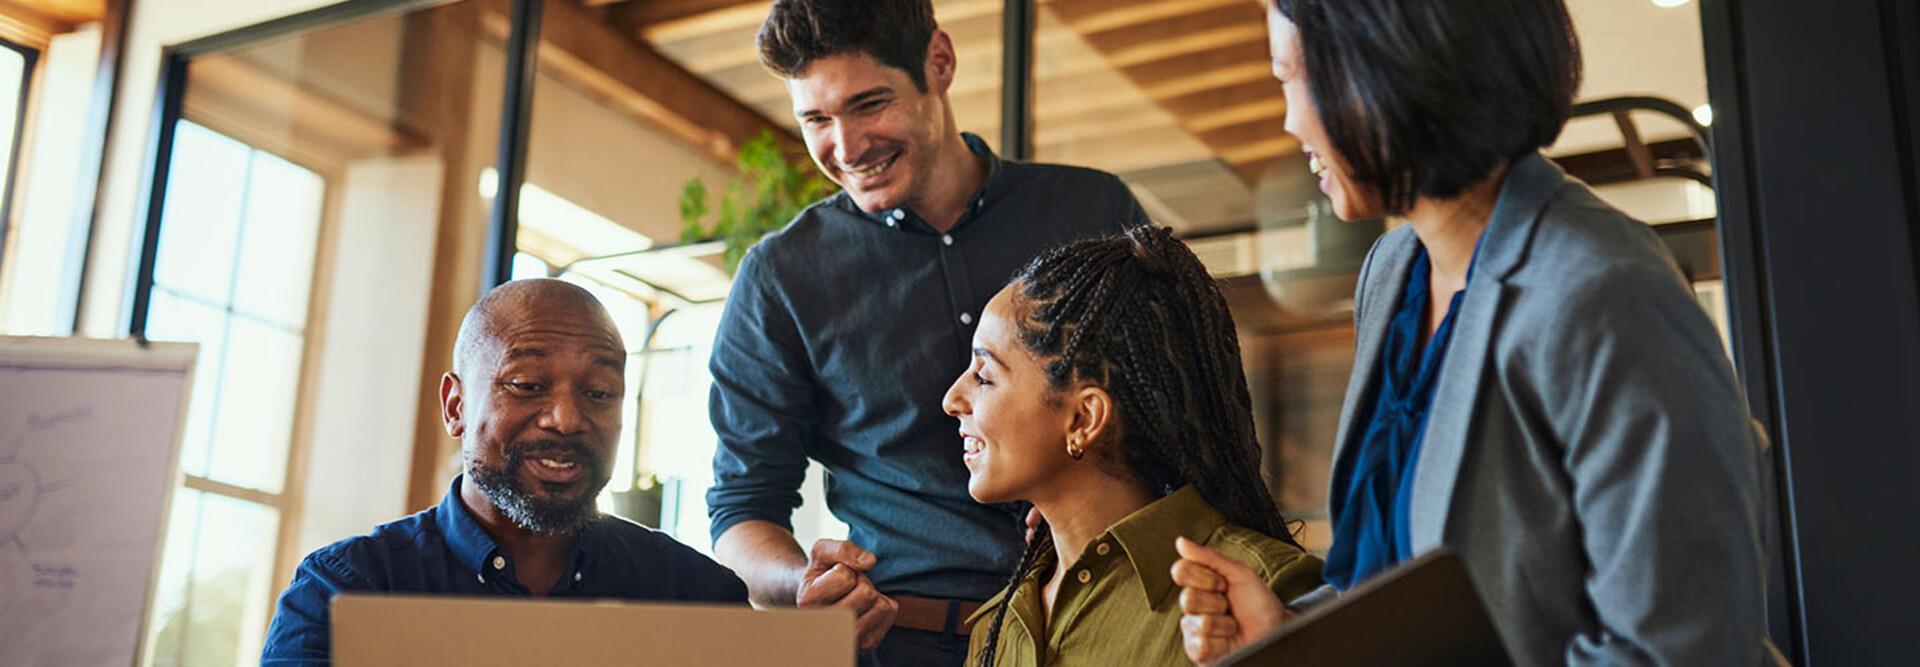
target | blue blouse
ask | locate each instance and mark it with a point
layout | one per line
(1369, 505)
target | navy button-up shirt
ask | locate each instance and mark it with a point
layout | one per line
(840, 336)
(444, 550)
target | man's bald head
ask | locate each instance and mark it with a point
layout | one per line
(501, 308)
(535, 397)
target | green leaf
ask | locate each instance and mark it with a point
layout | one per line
(767, 193)
(693, 207)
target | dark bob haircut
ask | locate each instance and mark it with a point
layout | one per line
(894, 32)
(1425, 98)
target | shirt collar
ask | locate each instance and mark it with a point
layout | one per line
(1147, 537)
(472, 545)
(991, 188)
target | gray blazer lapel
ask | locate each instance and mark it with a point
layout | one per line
(1529, 185)
(1381, 281)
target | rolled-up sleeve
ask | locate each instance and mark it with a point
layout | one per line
(764, 404)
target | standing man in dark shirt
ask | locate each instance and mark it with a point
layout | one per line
(844, 330)
(534, 397)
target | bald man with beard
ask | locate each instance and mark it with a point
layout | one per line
(534, 397)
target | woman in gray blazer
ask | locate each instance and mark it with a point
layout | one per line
(1535, 386)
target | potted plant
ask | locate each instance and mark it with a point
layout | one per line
(767, 193)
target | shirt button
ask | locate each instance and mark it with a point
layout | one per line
(1102, 549)
(576, 576)
(1085, 576)
(892, 223)
(898, 215)
(946, 239)
(499, 562)
(966, 318)
(481, 577)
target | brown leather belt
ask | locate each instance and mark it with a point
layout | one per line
(933, 615)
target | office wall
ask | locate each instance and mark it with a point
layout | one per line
(370, 356)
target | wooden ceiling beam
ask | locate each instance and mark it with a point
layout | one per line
(1182, 35)
(729, 53)
(29, 26)
(1199, 41)
(744, 18)
(1209, 80)
(1199, 104)
(633, 16)
(1205, 63)
(1250, 59)
(590, 54)
(704, 18)
(1090, 18)
(70, 12)
(1266, 110)
(1249, 141)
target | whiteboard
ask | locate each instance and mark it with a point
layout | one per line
(89, 449)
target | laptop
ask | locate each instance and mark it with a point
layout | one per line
(385, 630)
(1422, 612)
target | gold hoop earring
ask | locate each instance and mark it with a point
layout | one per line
(1074, 450)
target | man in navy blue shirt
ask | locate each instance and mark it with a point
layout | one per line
(844, 330)
(534, 397)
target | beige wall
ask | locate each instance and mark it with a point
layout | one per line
(370, 357)
(604, 161)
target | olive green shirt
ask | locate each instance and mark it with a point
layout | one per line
(1118, 605)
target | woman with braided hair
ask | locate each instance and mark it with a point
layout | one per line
(1106, 389)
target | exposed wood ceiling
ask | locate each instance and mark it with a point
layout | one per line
(70, 11)
(1175, 88)
(630, 76)
(1176, 95)
(32, 23)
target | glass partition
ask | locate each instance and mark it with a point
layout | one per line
(309, 177)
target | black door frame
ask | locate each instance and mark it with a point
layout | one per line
(1816, 107)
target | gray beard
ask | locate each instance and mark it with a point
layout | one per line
(530, 512)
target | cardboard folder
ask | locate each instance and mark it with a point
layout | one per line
(1423, 612)
(384, 630)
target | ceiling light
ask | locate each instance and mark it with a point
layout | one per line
(1703, 114)
(1670, 3)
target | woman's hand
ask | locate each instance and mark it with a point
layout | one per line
(1223, 603)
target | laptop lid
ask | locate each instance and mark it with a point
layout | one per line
(417, 630)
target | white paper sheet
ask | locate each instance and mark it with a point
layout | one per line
(86, 464)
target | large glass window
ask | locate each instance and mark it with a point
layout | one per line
(233, 274)
(319, 197)
(49, 59)
(16, 69)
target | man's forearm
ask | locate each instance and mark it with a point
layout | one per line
(766, 557)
